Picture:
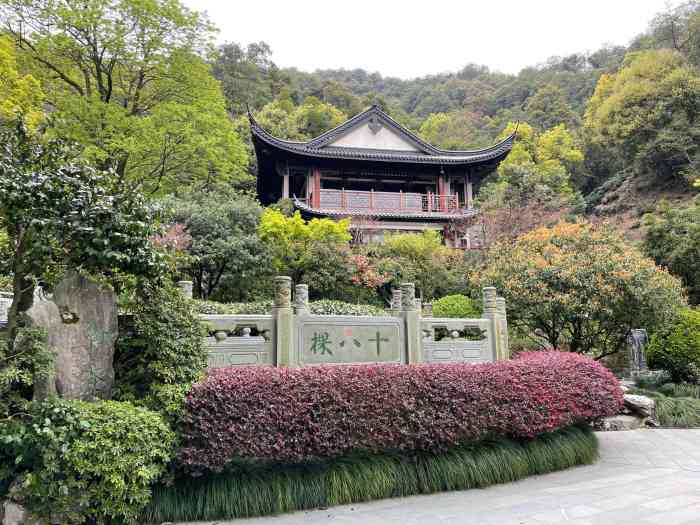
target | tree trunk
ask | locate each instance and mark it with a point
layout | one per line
(23, 299)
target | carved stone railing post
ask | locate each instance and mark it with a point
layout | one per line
(284, 321)
(301, 299)
(503, 327)
(491, 313)
(186, 288)
(428, 310)
(395, 308)
(411, 315)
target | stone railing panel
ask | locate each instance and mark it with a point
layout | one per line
(239, 340)
(455, 346)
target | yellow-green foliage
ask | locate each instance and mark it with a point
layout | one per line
(581, 287)
(540, 164)
(455, 306)
(19, 94)
(422, 259)
(647, 112)
(293, 241)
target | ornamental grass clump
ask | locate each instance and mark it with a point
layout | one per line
(304, 415)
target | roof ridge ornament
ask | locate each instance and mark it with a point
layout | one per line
(374, 124)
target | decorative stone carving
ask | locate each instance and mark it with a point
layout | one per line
(408, 297)
(301, 297)
(396, 299)
(501, 305)
(283, 292)
(637, 341)
(81, 321)
(490, 302)
(186, 288)
(428, 310)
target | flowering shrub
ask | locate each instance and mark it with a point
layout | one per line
(298, 415)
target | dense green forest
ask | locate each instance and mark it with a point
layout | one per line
(630, 111)
(141, 90)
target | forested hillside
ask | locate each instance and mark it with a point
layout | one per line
(603, 133)
(141, 89)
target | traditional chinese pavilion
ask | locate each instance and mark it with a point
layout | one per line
(375, 171)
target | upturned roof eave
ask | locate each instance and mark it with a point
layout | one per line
(318, 147)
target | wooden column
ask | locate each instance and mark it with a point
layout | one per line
(285, 186)
(316, 195)
(468, 191)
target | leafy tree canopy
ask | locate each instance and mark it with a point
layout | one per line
(292, 240)
(647, 113)
(20, 95)
(127, 79)
(60, 213)
(672, 239)
(581, 288)
(223, 243)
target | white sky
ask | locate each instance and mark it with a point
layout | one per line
(409, 38)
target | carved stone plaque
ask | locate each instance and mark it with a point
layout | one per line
(350, 340)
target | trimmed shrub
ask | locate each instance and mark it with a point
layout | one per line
(300, 415)
(322, 307)
(89, 461)
(676, 347)
(251, 490)
(455, 306)
(327, 307)
(163, 353)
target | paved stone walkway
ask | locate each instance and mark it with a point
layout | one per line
(643, 477)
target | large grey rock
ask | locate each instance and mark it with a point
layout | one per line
(642, 405)
(81, 321)
(621, 422)
(14, 514)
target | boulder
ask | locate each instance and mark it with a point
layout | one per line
(621, 422)
(14, 514)
(81, 320)
(641, 405)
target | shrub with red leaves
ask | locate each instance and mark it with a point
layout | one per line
(307, 414)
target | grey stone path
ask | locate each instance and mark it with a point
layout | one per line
(643, 477)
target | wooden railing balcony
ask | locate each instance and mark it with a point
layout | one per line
(386, 202)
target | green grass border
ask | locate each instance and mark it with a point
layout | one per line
(257, 491)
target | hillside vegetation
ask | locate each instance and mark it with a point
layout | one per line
(606, 133)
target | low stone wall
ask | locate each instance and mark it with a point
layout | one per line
(291, 336)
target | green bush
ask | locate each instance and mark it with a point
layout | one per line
(89, 462)
(455, 306)
(163, 352)
(327, 307)
(676, 347)
(214, 308)
(322, 307)
(253, 490)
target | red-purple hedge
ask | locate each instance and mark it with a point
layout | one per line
(298, 415)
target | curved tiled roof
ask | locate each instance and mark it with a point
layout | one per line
(426, 154)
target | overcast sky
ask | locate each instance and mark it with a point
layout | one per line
(410, 38)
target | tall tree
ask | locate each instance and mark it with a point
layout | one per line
(248, 75)
(60, 213)
(127, 79)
